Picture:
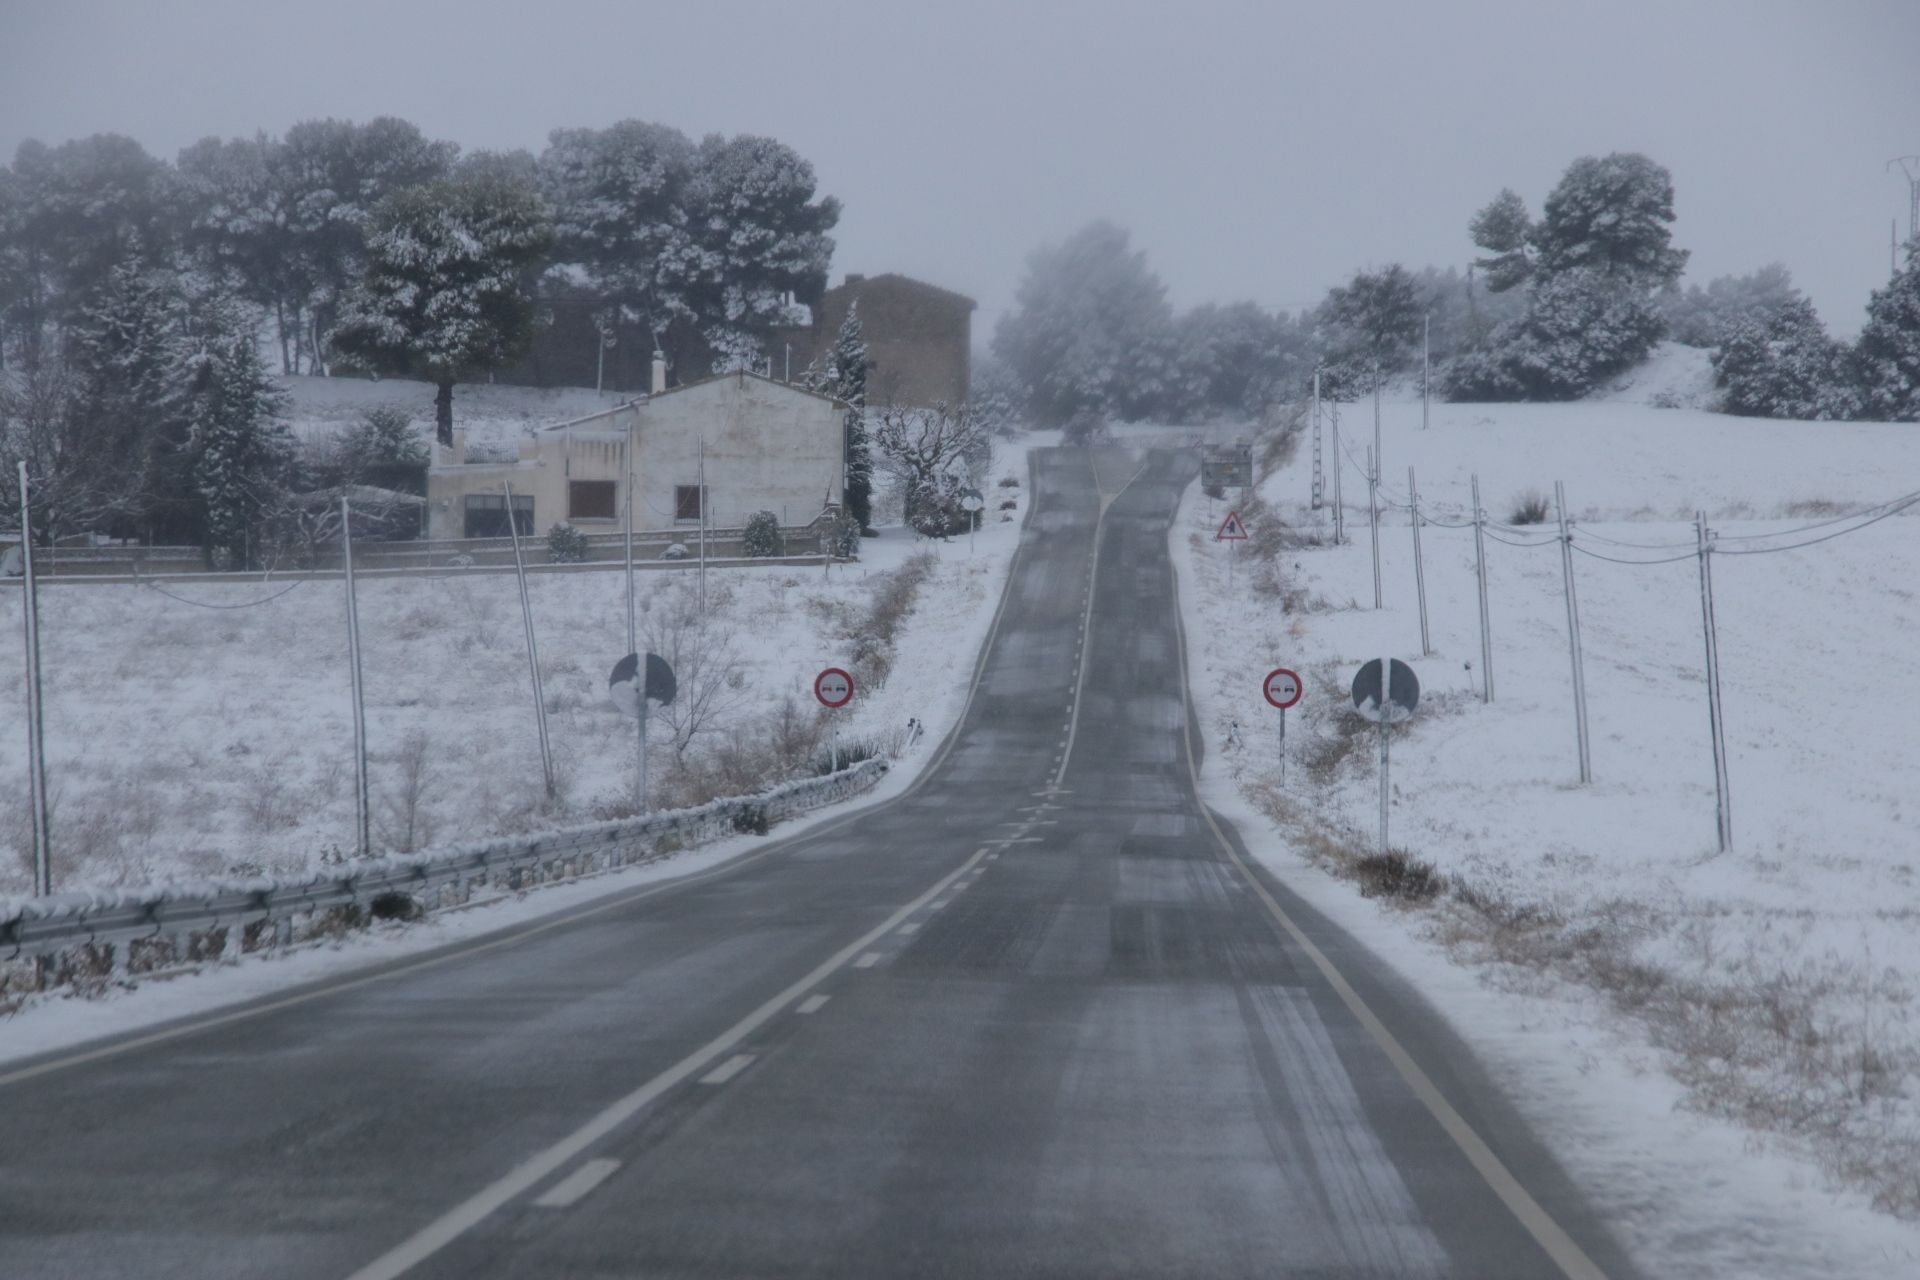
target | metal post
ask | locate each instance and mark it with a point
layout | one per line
(1319, 475)
(633, 640)
(1283, 744)
(702, 481)
(36, 709)
(1386, 718)
(363, 823)
(533, 650)
(640, 773)
(1573, 631)
(1426, 364)
(1373, 518)
(1723, 795)
(1480, 571)
(1419, 565)
(1339, 512)
(1379, 453)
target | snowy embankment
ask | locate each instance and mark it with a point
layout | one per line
(1721, 1046)
(208, 730)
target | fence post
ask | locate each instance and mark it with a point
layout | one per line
(1419, 565)
(1480, 571)
(1339, 511)
(363, 825)
(533, 651)
(1723, 797)
(1573, 631)
(1373, 518)
(36, 708)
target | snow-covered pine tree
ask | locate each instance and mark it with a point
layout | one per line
(1503, 229)
(240, 448)
(1886, 360)
(846, 379)
(447, 289)
(1784, 366)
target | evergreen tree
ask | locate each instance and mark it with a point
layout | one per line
(1503, 229)
(448, 286)
(1611, 214)
(1091, 330)
(240, 449)
(1374, 320)
(1784, 366)
(845, 378)
(1886, 360)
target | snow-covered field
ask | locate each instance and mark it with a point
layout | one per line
(184, 740)
(1667, 1010)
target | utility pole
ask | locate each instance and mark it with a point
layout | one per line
(1319, 476)
(1721, 790)
(533, 650)
(36, 710)
(1480, 570)
(1910, 167)
(1426, 364)
(1573, 632)
(1339, 514)
(363, 823)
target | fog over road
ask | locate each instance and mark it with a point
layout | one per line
(1036, 1017)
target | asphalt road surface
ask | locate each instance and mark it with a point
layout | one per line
(1037, 1017)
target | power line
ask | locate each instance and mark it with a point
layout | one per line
(150, 585)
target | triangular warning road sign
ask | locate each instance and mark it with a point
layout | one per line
(1231, 530)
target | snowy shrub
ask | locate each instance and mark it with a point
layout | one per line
(1529, 508)
(933, 508)
(1583, 326)
(843, 537)
(675, 551)
(763, 536)
(1086, 427)
(566, 545)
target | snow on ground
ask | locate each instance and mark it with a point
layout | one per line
(185, 740)
(1675, 377)
(1672, 989)
(167, 784)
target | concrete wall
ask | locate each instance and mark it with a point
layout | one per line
(769, 447)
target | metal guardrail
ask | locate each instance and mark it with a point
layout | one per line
(31, 927)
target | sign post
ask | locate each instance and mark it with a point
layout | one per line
(834, 690)
(1283, 689)
(1385, 691)
(631, 687)
(971, 502)
(1232, 530)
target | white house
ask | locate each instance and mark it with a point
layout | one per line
(768, 446)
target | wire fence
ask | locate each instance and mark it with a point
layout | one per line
(1575, 540)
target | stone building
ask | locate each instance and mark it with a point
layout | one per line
(919, 338)
(768, 447)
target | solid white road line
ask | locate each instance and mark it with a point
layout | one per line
(811, 1004)
(1566, 1253)
(870, 959)
(463, 1217)
(728, 1070)
(574, 1187)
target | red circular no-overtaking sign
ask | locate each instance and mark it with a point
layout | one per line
(1283, 688)
(833, 687)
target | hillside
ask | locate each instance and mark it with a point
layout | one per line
(1616, 964)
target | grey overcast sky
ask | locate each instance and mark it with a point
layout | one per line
(1255, 150)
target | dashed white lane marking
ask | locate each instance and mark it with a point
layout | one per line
(992, 856)
(728, 1070)
(574, 1187)
(907, 929)
(811, 1004)
(872, 958)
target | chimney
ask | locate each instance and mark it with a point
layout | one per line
(659, 372)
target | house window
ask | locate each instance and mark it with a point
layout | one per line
(487, 515)
(592, 499)
(686, 502)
